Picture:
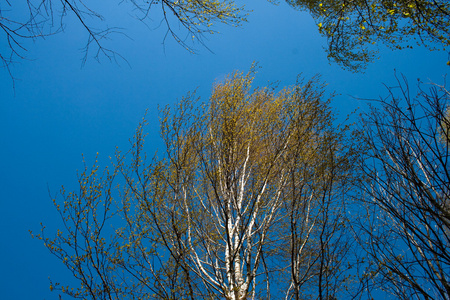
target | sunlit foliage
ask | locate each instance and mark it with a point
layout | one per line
(354, 29)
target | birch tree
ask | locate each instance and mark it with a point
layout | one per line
(244, 203)
(255, 152)
(321, 173)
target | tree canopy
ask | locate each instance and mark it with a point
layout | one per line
(248, 201)
(354, 29)
(184, 20)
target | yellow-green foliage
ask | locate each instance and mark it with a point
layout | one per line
(219, 201)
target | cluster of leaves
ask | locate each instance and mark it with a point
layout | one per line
(353, 27)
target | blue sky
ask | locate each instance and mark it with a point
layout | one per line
(60, 110)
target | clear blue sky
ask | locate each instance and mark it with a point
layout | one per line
(61, 110)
